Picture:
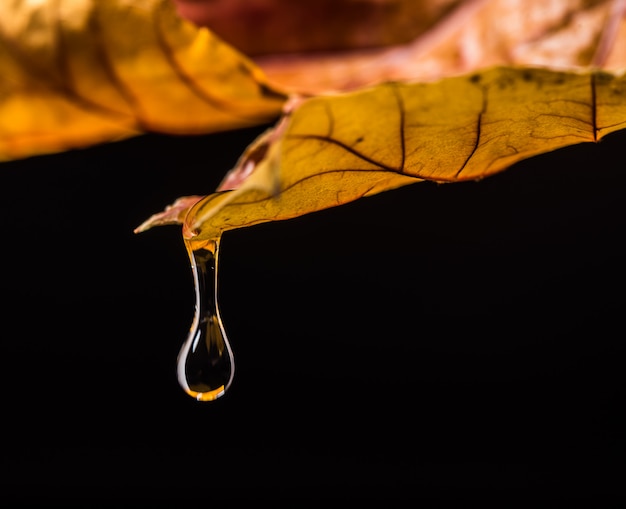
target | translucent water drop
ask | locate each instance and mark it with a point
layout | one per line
(205, 361)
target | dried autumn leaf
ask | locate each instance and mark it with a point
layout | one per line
(458, 38)
(261, 27)
(75, 73)
(335, 149)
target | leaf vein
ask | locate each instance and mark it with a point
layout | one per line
(402, 126)
(594, 106)
(69, 87)
(188, 80)
(343, 146)
(479, 121)
(50, 81)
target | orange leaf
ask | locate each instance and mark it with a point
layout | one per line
(82, 72)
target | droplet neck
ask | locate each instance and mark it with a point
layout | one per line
(205, 361)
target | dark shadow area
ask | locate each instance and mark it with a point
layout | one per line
(437, 342)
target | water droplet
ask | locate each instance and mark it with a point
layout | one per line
(205, 361)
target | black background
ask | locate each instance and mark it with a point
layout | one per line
(437, 342)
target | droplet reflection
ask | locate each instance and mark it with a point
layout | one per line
(205, 361)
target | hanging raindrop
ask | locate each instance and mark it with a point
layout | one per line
(205, 361)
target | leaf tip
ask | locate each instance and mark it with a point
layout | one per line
(172, 214)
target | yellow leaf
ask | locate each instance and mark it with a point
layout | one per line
(331, 150)
(74, 73)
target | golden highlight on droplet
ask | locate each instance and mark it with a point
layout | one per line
(207, 396)
(205, 364)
